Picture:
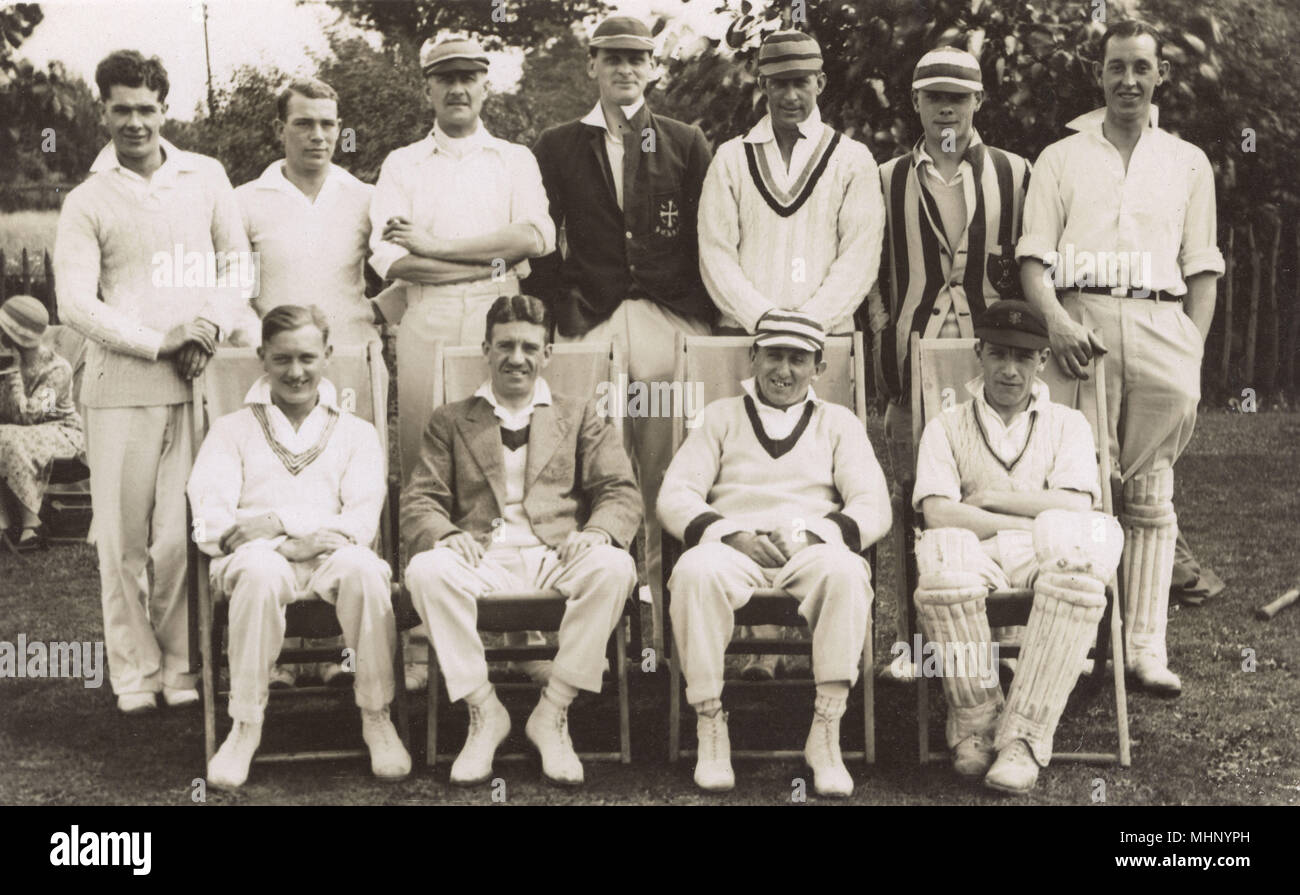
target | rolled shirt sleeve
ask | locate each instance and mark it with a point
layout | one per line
(390, 199)
(1044, 215)
(936, 467)
(1199, 251)
(1074, 464)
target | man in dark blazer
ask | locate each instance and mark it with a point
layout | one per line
(624, 188)
(517, 488)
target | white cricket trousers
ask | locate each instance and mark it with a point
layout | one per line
(260, 583)
(445, 589)
(711, 581)
(139, 461)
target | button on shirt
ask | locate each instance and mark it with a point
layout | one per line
(515, 529)
(1156, 220)
(614, 144)
(456, 189)
(312, 252)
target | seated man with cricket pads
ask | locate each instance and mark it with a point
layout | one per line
(518, 488)
(286, 495)
(774, 488)
(1007, 482)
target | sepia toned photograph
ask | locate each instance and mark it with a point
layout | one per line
(661, 402)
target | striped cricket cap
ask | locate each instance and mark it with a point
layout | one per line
(789, 52)
(792, 329)
(950, 69)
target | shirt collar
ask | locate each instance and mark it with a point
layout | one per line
(810, 127)
(596, 117)
(752, 391)
(541, 395)
(274, 178)
(922, 157)
(179, 159)
(478, 139)
(1039, 394)
(1090, 122)
(260, 393)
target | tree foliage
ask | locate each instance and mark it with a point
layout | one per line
(497, 23)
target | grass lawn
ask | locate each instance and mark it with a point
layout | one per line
(1232, 738)
(30, 230)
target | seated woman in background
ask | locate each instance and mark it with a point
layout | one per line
(39, 422)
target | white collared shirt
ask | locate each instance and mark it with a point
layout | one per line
(1007, 439)
(1085, 211)
(777, 422)
(491, 184)
(810, 134)
(516, 530)
(312, 252)
(613, 141)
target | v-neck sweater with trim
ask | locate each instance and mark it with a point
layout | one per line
(724, 479)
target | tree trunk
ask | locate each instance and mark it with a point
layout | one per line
(1252, 315)
(1293, 325)
(1230, 266)
(1272, 317)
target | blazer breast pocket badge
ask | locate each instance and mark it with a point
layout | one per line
(667, 216)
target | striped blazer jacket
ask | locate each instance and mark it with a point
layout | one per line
(922, 277)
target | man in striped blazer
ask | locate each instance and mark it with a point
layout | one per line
(952, 217)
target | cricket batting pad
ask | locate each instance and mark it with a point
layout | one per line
(951, 612)
(1067, 607)
(1150, 533)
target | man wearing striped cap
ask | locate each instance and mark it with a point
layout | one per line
(791, 215)
(953, 207)
(774, 488)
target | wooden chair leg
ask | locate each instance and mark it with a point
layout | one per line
(210, 650)
(624, 701)
(1117, 664)
(674, 708)
(431, 722)
(399, 694)
(869, 695)
(922, 721)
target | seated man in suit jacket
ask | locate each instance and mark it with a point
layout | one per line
(517, 488)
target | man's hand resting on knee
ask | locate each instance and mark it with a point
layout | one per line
(759, 547)
(465, 545)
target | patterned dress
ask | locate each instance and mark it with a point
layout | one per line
(39, 424)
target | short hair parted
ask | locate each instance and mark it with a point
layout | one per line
(312, 88)
(1131, 28)
(284, 318)
(130, 69)
(512, 308)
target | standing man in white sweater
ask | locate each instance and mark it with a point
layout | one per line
(774, 488)
(287, 494)
(791, 215)
(149, 223)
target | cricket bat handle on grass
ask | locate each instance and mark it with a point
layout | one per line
(1266, 612)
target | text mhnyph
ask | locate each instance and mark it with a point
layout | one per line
(77, 849)
(55, 659)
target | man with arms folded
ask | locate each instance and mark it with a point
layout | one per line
(286, 495)
(1007, 482)
(455, 216)
(1130, 208)
(519, 488)
(145, 205)
(774, 488)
